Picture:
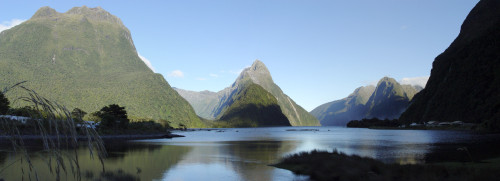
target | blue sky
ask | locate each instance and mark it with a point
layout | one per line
(317, 51)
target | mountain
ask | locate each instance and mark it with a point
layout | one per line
(386, 101)
(212, 105)
(86, 58)
(339, 112)
(253, 106)
(465, 79)
(203, 102)
(389, 100)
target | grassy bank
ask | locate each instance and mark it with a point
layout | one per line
(322, 165)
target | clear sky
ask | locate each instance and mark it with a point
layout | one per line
(317, 50)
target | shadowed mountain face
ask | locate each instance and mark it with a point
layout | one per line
(86, 58)
(386, 101)
(389, 100)
(213, 105)
(465, 79)
(253, 106)
(339, 112)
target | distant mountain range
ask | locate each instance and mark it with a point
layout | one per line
(215, 105)
(85, 58)
(386, 101)
(465, 79)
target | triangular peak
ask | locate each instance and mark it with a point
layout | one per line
(258, 73)
(258, 64)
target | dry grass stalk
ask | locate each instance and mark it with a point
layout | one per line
(56, 127)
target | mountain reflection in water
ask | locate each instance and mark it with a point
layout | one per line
(246, 153)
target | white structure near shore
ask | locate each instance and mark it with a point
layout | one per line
(21, 119)
(88, 124)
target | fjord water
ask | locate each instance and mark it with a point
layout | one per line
(245, 153)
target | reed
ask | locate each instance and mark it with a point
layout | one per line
(56, 128)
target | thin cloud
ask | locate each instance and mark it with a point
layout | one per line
(9, 24)
(420, 81)
(236, 72)
(176, 73)
(213, 75)
(147, 62)
(370, 82)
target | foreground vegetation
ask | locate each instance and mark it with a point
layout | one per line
(111, 119)
(58, 131)
(323, 165)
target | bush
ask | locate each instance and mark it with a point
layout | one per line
(26, 111)
(78, 114)
(149, 126)
(374, 122)
(113, 117)
(4, 104)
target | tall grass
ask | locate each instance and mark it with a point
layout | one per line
(55, 127)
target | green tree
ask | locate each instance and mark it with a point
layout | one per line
(78, 114)
(113, 116)
(182, 126)
(4, 104)
(26, 111)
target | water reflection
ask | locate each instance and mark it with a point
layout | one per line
(390, 146)
(477, 147)
(3, 157)
(128, 161)
(244, 154)
(253, 154)
(118, 150)
(233, 160)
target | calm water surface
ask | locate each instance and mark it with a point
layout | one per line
(245, 153)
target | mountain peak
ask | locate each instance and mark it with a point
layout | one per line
(387, 80)
(259, 67)
(258, 73)
(388, 86)
(258, 64)
(45, 11)
(361, 95)
(96, 13)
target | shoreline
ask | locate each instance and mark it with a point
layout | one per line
(104, 137)
(324, 165)
(423, 128)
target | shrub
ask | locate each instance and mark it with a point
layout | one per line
(4, 104)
